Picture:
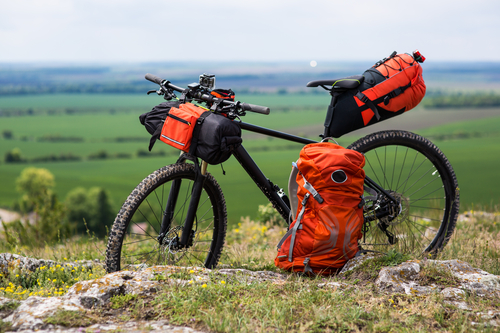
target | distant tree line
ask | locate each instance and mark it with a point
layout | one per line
(462, 100)
(15, 156)
(74, 88)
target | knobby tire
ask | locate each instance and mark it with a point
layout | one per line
(133, 243)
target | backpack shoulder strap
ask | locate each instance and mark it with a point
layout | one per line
(293, 188)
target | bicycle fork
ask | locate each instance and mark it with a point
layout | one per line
(187, 235)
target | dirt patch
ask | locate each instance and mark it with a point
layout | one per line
(8, 216)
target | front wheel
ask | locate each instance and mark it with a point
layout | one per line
(418, 175)
(133, 241)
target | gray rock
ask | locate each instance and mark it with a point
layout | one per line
(473, 279)
(32, 311)
(355, 262)
(247, 275)
(403, 279)
(92, 293)
(158, 326)
(453, 293)
(13, 261)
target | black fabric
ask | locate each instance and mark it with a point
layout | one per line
(154, 119)
(362, 97)
(345, 115)
(218, 137)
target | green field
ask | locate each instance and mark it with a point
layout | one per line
(471, 146)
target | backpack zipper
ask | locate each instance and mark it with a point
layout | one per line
(179, 119)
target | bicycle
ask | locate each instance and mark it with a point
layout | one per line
(177, 214)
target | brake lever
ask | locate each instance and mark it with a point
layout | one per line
(155, 91)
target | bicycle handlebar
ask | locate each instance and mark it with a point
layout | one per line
(255, 108)
(208, 98)
(154, 79)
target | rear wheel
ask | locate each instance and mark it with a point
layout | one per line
(133, 241)
(416, 173)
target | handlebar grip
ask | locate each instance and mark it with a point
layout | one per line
(255, 108)
(154, 78)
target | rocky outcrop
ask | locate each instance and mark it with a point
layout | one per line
(405, 278)
(408, 278)
(14, 261)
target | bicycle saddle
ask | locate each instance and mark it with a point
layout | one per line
(349, 82)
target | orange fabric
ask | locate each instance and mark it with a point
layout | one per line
(330, 230)
(216, 94)
(360, 104)
(367, 116)
(411, 71)
(178, 133)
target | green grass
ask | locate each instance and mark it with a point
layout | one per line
(56, 101)
(475, 162)
(478, 127)
(117, 101)
(474, 159)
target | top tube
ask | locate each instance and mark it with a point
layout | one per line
(274, 133)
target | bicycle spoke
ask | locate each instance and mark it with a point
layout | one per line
(147, 220)
(394, 166)
(402, 167)
(419, 180)
(145, 232)
(373, 171)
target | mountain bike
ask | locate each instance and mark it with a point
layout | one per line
(177, 214)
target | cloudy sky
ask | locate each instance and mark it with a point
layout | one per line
(261, 30)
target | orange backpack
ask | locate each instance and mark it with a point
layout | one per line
(328, 180)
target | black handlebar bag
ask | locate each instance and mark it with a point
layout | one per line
(215, 137)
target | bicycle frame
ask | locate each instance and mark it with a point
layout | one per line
(273, 192)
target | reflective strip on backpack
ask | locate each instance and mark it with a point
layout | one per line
(296, 226)
(350, 228)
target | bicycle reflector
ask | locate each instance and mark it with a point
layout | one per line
(418, 56)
